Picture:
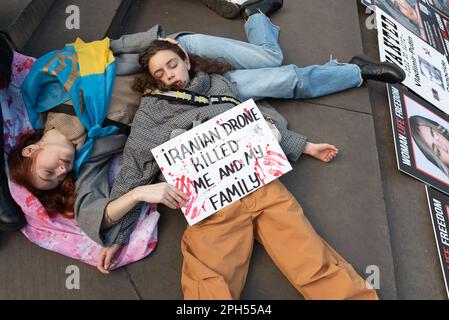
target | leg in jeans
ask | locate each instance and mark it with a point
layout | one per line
(292, 82)
(262, 51)
(308, 262)
(258, 74)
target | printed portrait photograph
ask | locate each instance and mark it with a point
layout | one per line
(406, 12)
(430, 140)
(430, 72)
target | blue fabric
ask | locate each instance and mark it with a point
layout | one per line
(259, 73)
(55, 79)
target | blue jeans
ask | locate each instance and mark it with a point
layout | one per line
(259, 73)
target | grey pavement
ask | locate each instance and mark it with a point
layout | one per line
(20, 18)
(360, 204)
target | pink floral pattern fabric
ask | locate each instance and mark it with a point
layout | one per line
(60, 234)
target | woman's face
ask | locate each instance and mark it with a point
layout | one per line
(169, 68)
(406, 9)
(436, 142)
(53, 159)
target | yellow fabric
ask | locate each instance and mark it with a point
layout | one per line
(93, 57)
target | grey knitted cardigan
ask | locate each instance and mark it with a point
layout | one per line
(152, 126)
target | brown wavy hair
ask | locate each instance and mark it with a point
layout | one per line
(198, 64)
(60, 200)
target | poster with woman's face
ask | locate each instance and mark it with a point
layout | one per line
(406, 12)
(420, 17)
(426, 69)
(432, 136)
(421, 135)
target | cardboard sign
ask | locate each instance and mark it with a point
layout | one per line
(222, 160)
(421, 137)
(439, 213)
(419, 17)
(427, 70)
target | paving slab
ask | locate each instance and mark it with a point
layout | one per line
(95, 19)
(417, 267)
(30, 272)
(314, 31)
(20, 18)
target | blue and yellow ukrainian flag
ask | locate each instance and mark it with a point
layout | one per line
(81, 72)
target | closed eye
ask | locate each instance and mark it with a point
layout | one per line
(46, 176)
(158, 74)
(172, 64)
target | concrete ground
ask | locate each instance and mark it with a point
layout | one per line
(361, 204)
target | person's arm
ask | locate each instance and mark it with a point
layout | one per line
(139, 165)
(321, 151)
(162, 192)
(93, 190)
(292, 143)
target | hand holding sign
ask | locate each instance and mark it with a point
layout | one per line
(222, 160)
(164, 193)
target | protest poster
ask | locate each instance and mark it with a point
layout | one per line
(421, 137)
(439, 213)
(436, 27)
(426, 69)
(441, 5)
(420, 18)
(222, 160)
(405, 12)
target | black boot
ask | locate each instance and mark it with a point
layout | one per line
(6, 56)
(378, 71)
(11, 216)
(224, 8)
(266, 7)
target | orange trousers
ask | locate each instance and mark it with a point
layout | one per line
(217, 250)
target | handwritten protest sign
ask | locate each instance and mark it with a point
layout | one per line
(222, 160)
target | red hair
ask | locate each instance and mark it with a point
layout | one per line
(60, 200)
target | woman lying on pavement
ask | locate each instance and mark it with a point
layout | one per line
(49, 155)
(217, 250)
